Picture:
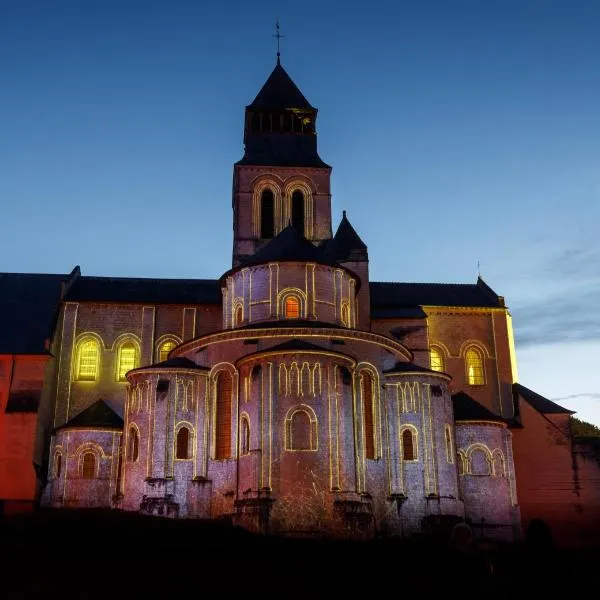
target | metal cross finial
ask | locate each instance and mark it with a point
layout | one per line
(278, 35)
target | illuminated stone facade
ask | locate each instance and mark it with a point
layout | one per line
(293, 395)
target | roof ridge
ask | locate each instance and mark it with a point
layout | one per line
(424, 283)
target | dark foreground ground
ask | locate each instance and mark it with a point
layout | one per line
(107, 554)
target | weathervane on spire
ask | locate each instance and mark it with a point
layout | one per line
(278, 35)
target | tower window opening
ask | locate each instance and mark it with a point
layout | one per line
(408, 445)
(298, 211)
(292, 308)
(183, 444)
(88, 466)
(267, 215)
(474, 365)
(223, 416)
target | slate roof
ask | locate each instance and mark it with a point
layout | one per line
(98, 415)
(279, 91)
(138, 289)
(179, 362)
(28, 305)
(289, 245)
(541, 404)
(468, 409)
(346, 243)
(408, 367)
(390, 295)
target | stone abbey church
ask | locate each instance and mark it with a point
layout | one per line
(292, 394)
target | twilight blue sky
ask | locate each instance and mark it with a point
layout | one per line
(458, 131)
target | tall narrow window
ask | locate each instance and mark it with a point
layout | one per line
(165, 348)
(300, 438)
(345, 315)
(292, 308)
(367, 394)
(436, 359)
(298, 211)
(127, 360)
(408, 445)
(245, 436)
(449, 452)
(57, 465)
(88, 361)
(223, 416)
(133, 445)
(182, 450)
(267, 214)
(239, 314)
(474, 366)
(88, 466)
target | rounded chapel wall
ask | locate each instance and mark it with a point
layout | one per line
(259, 293)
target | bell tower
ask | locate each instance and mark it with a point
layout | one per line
(281, 178)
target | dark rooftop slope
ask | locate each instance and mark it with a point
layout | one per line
(28, 305)
(386, 295)
(279, 91)
(541, 404)
(346, 244)
(138, 289)
(468, 409)
(98, 414)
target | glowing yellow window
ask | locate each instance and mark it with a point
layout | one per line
(474, 365)
(163, 353)
(292, 308)
(88, 361)
(127, 360)
(437, 360)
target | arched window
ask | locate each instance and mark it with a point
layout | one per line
(88, 360)
(449, 452)
(267, 214)
(300, 438)
(127, 360)
(345, 315)
(223, 416)
(244, 436)
(368, 407)
(57, 465)
(408, 445)
(292, 307)
(436, 359)
(298, 211)
(88, 466)
(498, 464)
(165, 348)
(133, 448)
(182, 444)
(460, 461)
(239, 314)
(474, 366)
(479, 463)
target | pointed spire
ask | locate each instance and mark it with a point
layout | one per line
(346, 243)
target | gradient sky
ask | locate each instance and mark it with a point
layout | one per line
(459, 131)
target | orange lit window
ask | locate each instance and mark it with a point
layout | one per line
(223, 416)
(166, 347)
(183, 444)
(437, 359)
(474, 366)
(134, 445)
(239, 314)
(408, 445)
(292, 308)
(88, 467)
(88, 361)
(127, 360)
